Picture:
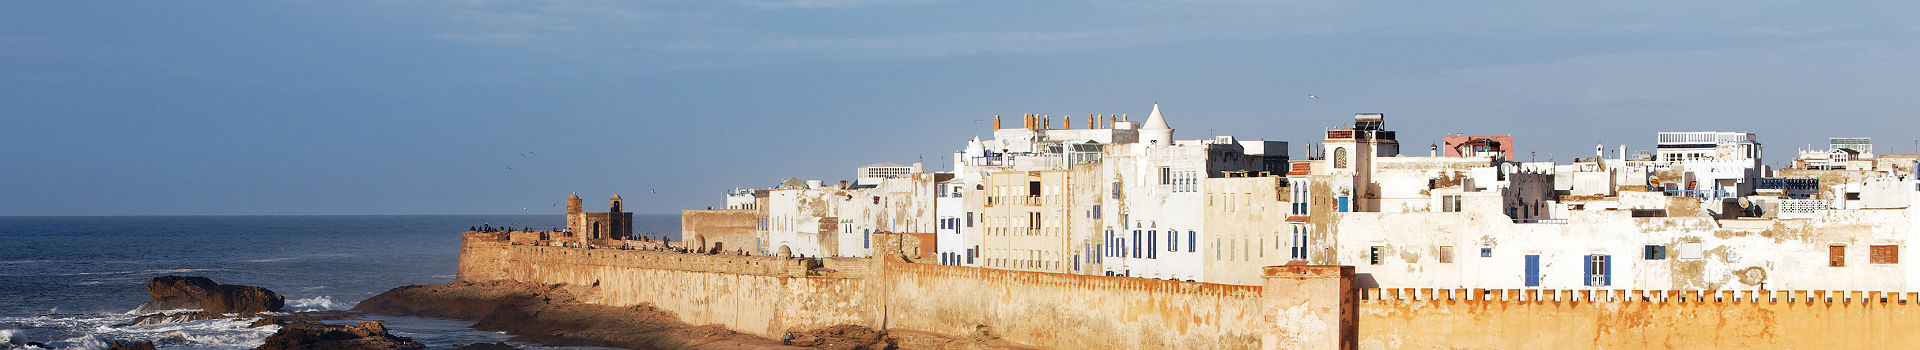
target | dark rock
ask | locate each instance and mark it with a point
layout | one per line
(487, 346)
(176, 317)
(139, 345)
(309, 335)
(183, 292)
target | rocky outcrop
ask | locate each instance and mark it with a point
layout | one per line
(139, 345)
(315, 336)
(183, 292)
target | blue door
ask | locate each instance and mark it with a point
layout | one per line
(1533, 270)
(1343, 204)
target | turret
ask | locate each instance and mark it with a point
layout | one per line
(1155, 131)
(613, 205)
(573, 204)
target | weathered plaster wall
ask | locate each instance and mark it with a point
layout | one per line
(1633, 319)
(732, 229)
(1067, 311)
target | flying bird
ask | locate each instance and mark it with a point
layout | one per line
(1313, 97)
(509, 168)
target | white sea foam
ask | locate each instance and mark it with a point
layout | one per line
(312, 304)
(269, 260)
(85, 342)
(134, 272)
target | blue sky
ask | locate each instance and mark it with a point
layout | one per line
(405, 107)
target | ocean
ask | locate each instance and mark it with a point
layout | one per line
(69, 281)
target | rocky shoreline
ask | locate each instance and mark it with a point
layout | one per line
(553, 315)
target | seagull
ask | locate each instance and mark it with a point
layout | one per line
(650, 191)
(509, 168)
(1313, 97)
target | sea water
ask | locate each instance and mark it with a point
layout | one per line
(71, 282)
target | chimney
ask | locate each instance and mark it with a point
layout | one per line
(1046, 122)
(996, 122)
(1123, 117)
(1066, 120)
(843, 183)
(1110, 120)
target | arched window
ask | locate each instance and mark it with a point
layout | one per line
(1339, 157)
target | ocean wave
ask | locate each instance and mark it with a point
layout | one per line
(311, 288)
(269, 260)
(312, 304)
(137, 272)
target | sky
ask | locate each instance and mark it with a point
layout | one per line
(505, 107)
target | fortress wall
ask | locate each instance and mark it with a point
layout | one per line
(482, 256)
(733, 229)
(1072, 311)
(765, 296)
(1635, 319)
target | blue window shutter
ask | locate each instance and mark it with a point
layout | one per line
(1193, 242)
(1606, 270)
(1533, 271)
(1076, 262)
(1586, 266)
(1153, 243)
(1343, 204)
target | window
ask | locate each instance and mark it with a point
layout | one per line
(1446, 254)
(1299, 248)
(1599, 270)
(1837, 256)
(1193, 242)
(1533, 270)
(1339, 157)
(1096, 212)
(1450, 203)
(969, 219)
(1152, 242)
(1373, 255)
(1656, 252)
(1884, 254)
(1166, 175)
(1486, 252)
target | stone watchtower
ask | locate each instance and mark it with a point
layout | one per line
(599, 228)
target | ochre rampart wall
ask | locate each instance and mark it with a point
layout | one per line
(1072, 311)
(766, 296)
(1632, 319)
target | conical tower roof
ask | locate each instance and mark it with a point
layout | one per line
(792, 183)
(1155, 121)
